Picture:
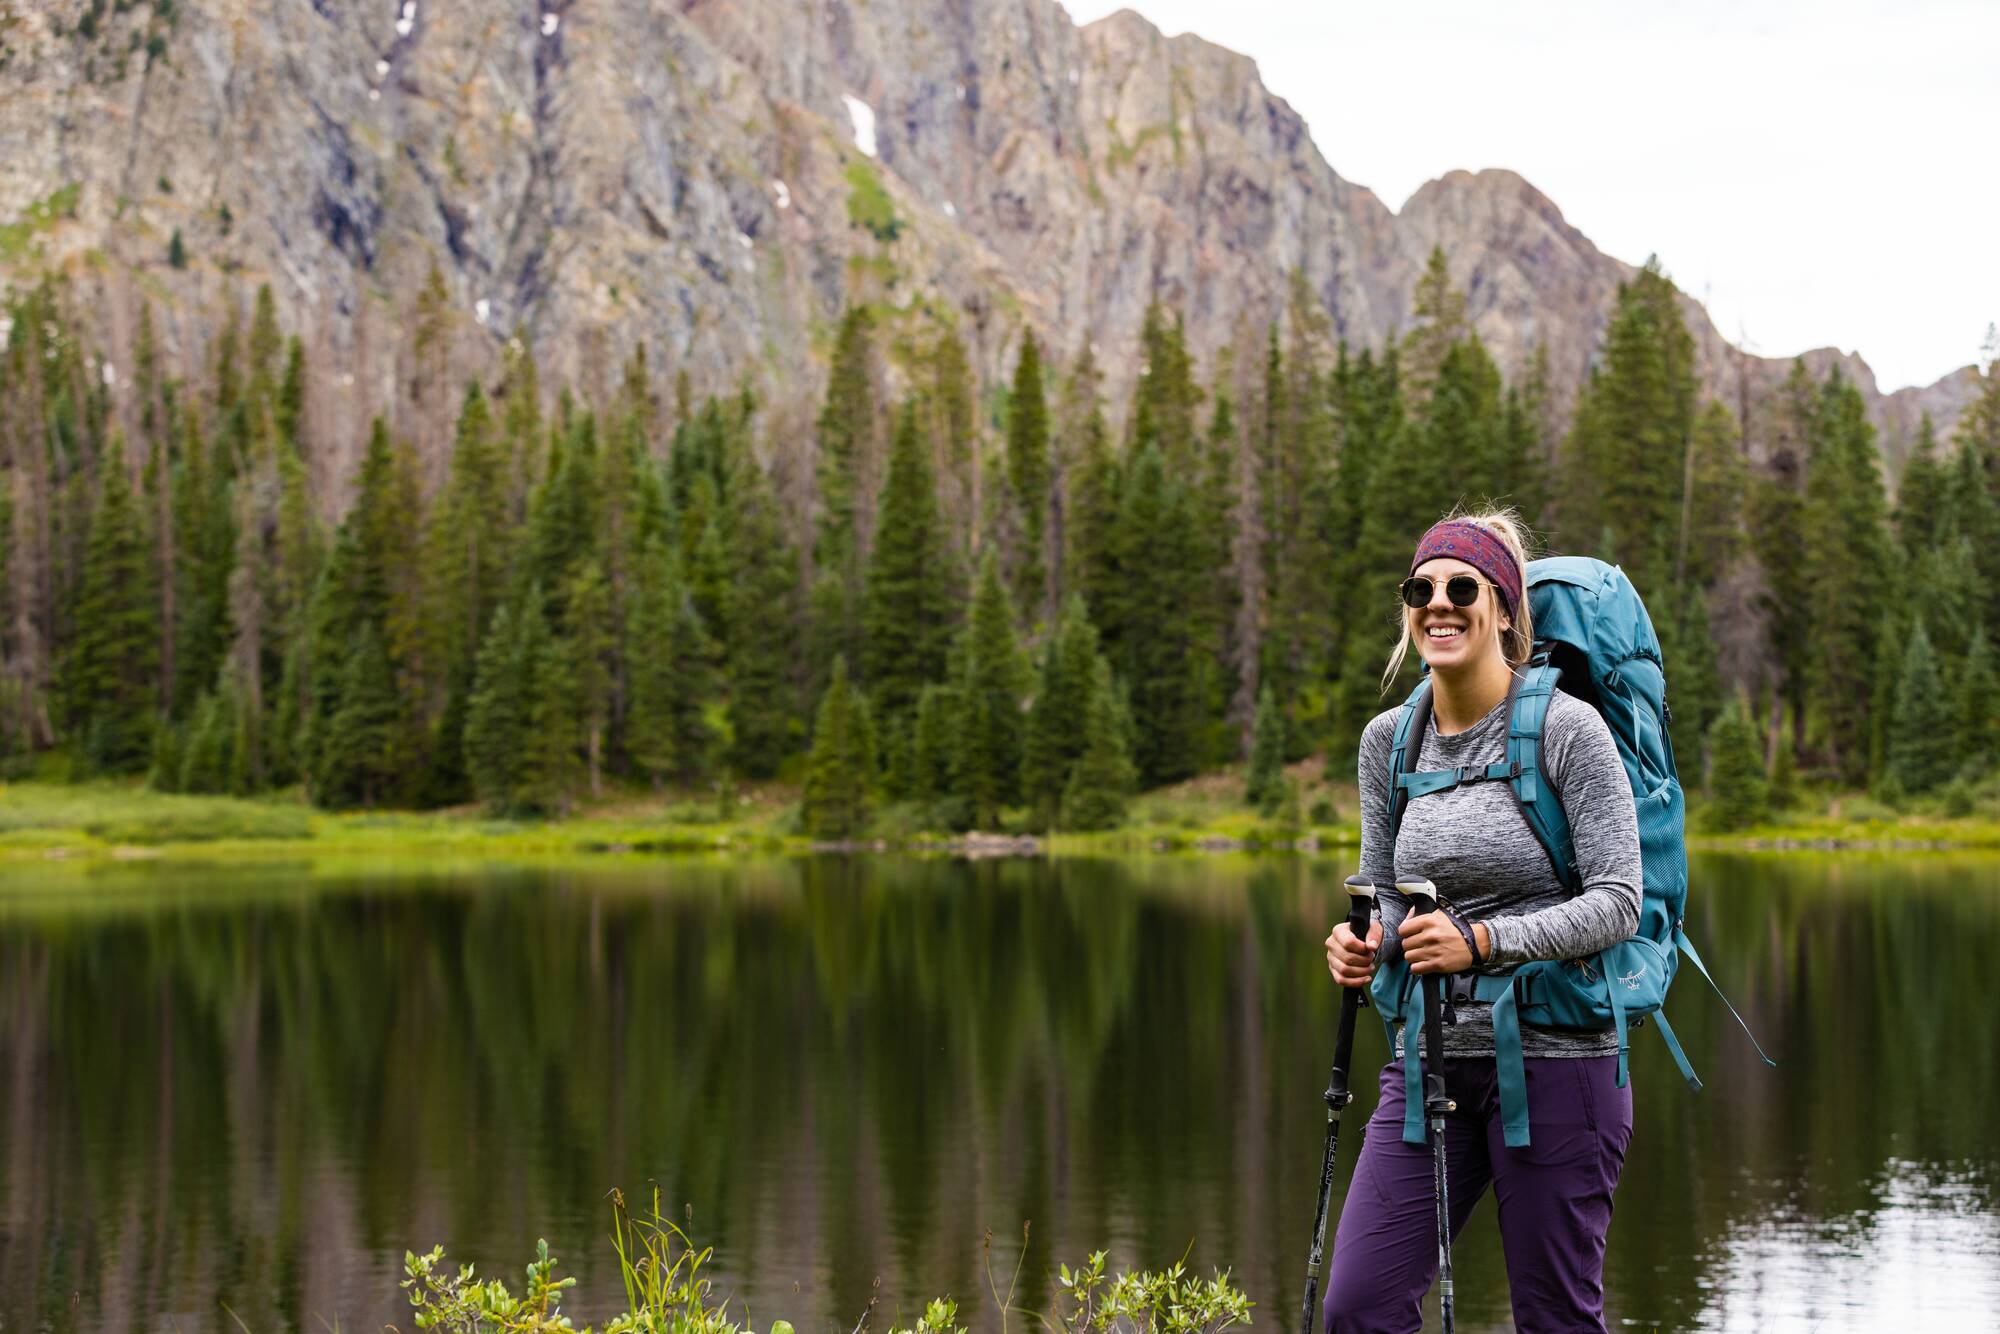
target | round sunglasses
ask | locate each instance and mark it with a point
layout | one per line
(1461, 589)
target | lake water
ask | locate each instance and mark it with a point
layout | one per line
(250, 1090)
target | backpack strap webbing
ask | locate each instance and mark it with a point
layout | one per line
(1533, 689)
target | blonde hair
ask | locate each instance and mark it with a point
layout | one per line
(1517, 641)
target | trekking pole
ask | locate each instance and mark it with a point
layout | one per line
(1360, 911)
(1423, 898)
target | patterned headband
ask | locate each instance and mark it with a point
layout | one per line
(1478, 548)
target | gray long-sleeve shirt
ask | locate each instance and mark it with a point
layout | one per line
(1475, 846)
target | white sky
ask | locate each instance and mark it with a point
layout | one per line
(1817, 173)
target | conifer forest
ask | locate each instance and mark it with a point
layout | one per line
(1012, 604)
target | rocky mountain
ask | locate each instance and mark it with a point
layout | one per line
(715, 178)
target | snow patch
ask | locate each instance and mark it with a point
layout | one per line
(110, 375)
(550, 22)
(407, 19)
(481, 309)
(949, 210)
(863, 117)
(783, 193)
(743, 239)
(381, 69)
(961, 92)
(1075, 77)
(374, 94)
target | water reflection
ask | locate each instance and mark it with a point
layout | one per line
(258, 1087)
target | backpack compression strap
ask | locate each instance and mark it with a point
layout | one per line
(1533, 688)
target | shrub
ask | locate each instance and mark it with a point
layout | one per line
(665, 1290)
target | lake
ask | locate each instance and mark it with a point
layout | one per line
(249, 1089)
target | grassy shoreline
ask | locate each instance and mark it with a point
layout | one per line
(124, 821)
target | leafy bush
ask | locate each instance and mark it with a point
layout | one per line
(1146, 1303)
(665, 1291)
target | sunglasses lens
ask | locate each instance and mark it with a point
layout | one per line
(1462, 589)
(1416, 591)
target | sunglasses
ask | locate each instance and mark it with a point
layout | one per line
(1462, 589)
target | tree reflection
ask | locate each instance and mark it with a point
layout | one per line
(221, 1091)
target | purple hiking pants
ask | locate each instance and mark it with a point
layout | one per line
(1554, 1197)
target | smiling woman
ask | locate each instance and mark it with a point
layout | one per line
(1467, 849)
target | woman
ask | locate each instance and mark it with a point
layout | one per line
(1466, 614)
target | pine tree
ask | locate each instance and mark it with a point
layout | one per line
(1923, 745)
(1736, 786)
(1028, 473)
(1264, 783)
(840, 769)
(113, 671)
(586, 661)
(551, 764)
(1978, 704)
(1921, 495)
(1847, 549)
(204, 760)
(358, 763)
(1777, 513)
(1165, 396)
(1438, 324)
(1162, 653)
(1689, 650)
(907, 619)
(1401, 502)
(467, 551)
(949, 421)
(992, 680)
(1095, 796)
(931, 750)
(1059, 717)
(205, 553)
(847, 451)
(650, 721)
(1633, 424)
(1095, 562)
(1711, 528)
(497, 716)
(760, 652)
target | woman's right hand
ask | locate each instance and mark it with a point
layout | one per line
(1350, 959)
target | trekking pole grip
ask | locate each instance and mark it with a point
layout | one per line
(1360, 916)
(1423, 897)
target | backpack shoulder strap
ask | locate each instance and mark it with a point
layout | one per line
(1533, 688)
(1407, 744)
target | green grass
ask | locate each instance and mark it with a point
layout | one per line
(47, 818)
(868, 202)
(18, 235)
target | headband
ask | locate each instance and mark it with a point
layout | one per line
(1478, 548)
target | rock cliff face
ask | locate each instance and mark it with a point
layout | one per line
(715, 177)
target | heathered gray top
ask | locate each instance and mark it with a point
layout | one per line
(1475, 846)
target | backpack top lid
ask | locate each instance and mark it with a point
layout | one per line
(1592, 609)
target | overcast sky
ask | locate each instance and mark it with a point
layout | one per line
(1817, 173)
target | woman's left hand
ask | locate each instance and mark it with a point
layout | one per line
(1432, 944)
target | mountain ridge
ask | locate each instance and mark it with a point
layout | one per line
(687, 175)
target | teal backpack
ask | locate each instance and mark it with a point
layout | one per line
(1594, 639)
